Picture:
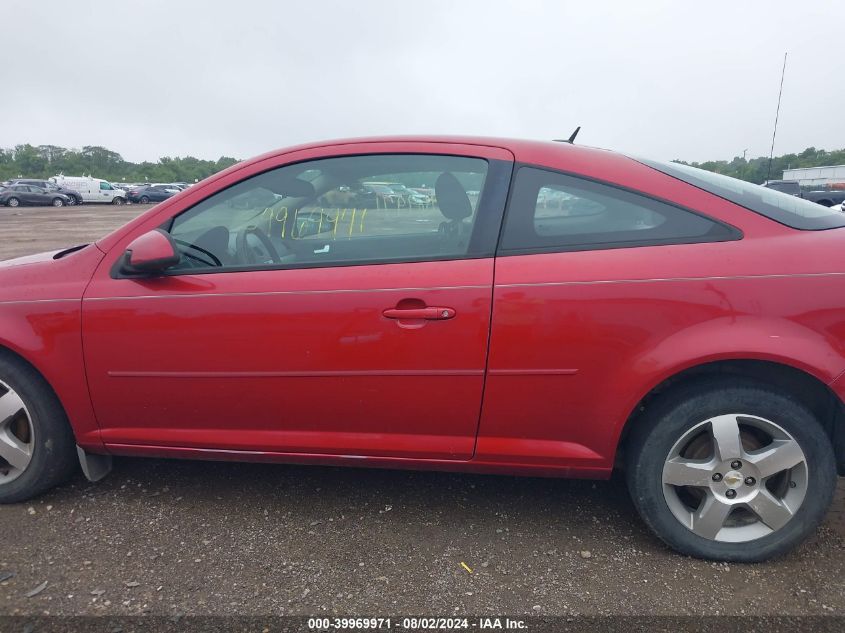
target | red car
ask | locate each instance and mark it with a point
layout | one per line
(586, 312)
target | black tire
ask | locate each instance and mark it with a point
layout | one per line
(117, 201)
(144, 200)
(13, 202)
(58, 202)
(71, 201)
(78, 200)
(54, 457)
(668, 419)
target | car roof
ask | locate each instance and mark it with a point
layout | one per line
(588, 161)
(541, 152)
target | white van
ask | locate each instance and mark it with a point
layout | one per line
(92, 189)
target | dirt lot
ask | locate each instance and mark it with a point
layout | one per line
(27, 230)
(172, 538)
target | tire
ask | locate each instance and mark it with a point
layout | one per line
(144, 200)
(58, 202)
(675, 442)
(48, 437)
(13, 202)
(71, 201)
(117, 201)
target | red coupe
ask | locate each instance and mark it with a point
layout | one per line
(553, 310)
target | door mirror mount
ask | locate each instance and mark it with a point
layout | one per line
(149, 255)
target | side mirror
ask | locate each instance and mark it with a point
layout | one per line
(149, 255)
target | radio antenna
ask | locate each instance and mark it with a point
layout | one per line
(777, 114)
(571, 138)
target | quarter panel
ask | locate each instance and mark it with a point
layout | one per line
(579, 338)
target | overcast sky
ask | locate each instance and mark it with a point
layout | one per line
(660, 78)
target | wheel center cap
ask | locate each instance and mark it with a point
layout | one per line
(733, 479)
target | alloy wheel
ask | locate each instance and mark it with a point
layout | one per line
(735, 478)
(17, 435)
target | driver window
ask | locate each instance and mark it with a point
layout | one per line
(346, 210)
(105, 186)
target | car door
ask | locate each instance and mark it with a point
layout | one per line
(364, 333)
(106, 192)
(30, 194)
(39, 195)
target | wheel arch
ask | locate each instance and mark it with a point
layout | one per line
(806, 388)
(71, 395)
(9, 352)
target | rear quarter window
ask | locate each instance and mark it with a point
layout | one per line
(552, 211)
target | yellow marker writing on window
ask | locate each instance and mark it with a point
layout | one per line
(352, 222)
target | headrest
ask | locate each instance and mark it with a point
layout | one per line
(451, 198)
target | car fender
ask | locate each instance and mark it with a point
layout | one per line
(40, 322)
(46, 335)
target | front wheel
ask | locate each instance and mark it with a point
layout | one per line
(117, 201)
(732, 472)
(37, 448)
(58, 202)
(13, 202)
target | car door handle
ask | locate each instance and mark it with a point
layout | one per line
(428, 313)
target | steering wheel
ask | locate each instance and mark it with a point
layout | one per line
(249, 254)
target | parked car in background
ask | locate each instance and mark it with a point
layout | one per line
(826, 197)
(91, 189)
(682, 327)
(74, 197)
(16, 195)
(152, 193)
(410, 197)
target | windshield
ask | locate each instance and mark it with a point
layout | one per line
(781, 207)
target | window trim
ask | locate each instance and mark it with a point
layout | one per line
(482, 245)
(733, 233)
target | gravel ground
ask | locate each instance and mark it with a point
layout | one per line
(27, 230)
(173, 537)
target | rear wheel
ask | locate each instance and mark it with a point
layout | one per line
(37, 448)
(13, 202)
(58, 202)
(145, 200)
(731, 472)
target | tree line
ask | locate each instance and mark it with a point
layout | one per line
(43, 161)
(757, 170)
